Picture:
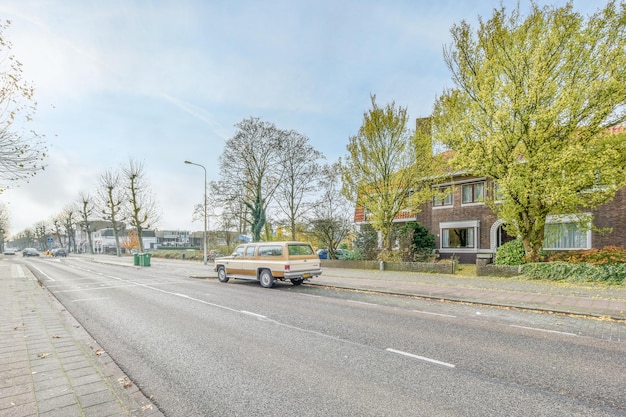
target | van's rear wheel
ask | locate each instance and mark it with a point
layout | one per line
(297, 281)
(221, 274)
(267, 279)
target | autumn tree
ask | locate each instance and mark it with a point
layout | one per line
(142, 207)
(86, 210)
(331, 220)
(251, 168)
(299, 180)
(111, 200)
(387, 167)
(21, 150)
(532, 102)
(131, 241)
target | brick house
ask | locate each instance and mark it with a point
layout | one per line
(465, 227)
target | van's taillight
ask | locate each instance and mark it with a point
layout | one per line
(287, 267)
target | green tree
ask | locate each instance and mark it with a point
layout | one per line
(533, 100)
(387, 165)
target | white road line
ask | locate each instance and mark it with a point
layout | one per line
(48, 277)
(90, 299)
(422, 358)
(433, 314)
(362, 302)
(543, 330)
(253, 314)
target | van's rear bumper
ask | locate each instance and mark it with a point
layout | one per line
(302, 274)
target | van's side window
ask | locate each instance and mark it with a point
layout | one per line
(250, 250)
(271, 250)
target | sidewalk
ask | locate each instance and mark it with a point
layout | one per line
(580, 299)
(49, 365)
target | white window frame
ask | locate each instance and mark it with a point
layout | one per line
(468, 224)
(475, 201)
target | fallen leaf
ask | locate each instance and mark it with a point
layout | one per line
(56, 337)
(44, 355)
(126, 383)
(99, 352)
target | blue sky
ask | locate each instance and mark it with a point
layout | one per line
(166, 81)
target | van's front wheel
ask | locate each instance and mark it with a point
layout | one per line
(267, 279)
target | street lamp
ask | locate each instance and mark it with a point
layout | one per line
(202, 166)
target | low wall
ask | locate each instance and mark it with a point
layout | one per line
(439, 268)
(498, 270)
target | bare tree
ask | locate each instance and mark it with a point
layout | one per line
(111, 199)
(21, 154)
(142, 207)
(4, 224)
(251, 166)
(300, 171)
(332, 220)
(86, 206)
(57, 228)
(69, 218)
(41, 233)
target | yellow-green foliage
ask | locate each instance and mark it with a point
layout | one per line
(533, 99)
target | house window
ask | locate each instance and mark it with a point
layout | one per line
(473, 193)
(442, 197)
(566, 235)
(498, 195)
(462, 237)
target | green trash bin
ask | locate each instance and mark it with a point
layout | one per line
(144, 259)
(136, 259)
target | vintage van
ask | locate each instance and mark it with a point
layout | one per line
(267, 262)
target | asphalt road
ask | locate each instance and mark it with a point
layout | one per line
(201, 348)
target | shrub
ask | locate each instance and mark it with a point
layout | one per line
(511, 253)
(366, 243)
(576, 272)
(609, 255)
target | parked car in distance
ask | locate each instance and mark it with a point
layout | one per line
(59, 252)
(9, 251)
(268, 261)
(30, 252)
(340, 253)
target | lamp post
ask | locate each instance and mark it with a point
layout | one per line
(202, 166)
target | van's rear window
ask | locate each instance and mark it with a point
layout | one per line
(300, 250)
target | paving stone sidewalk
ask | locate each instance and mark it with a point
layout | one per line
(49, 365)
